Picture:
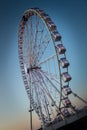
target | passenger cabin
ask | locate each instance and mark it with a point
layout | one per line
(64, 62)
(67, 90)
(40, 11)
(21, 62)
(66, 77)
(20, 42)
(67, 102)
(20, 52)
(56, 36)
(21, 37)
(51, 26)
(24, 77)
(23, 72)
(22, 27)
(20, 47)
(66, 113)
(59, 118)
(46, 17)
(25, 18)
(30, 14)
(26, 87)
(22, 67)
(25, 82)
(60, 48)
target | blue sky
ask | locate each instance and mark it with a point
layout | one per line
(70, 16)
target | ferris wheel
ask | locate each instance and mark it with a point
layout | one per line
(44, 67)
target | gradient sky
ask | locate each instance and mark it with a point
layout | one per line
(70, 16)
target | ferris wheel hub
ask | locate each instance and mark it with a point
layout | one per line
(33, 68)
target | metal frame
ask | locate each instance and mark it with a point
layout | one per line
(36, 30)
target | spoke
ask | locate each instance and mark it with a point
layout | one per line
(44, 89)
(37, 91)
(45, 44)
(51, 76)
(52, 83)
(49, 58)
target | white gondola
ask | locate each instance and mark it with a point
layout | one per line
(22, 30)
(21, 57)
(51, 26)
(67, 90)
(46, 17)
(22, 23)
(59, 118)
(60, 48)
(24, 77)
(67, 102)
(25, 18)
(28, 14)
(64, 62)
(20, 52)
(40, 11)
(23, 72)
(25, 82)
(21, 62)
(20, 42)
(26, 87)
(22, 67)
(21, 37)
(21, 33)
(22, 26)
(56, 36)
(66, 77)
(66, 112)
(20, 49)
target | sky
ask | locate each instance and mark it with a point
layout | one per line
(70, 16)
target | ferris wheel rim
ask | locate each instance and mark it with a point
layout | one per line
(20, 43)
